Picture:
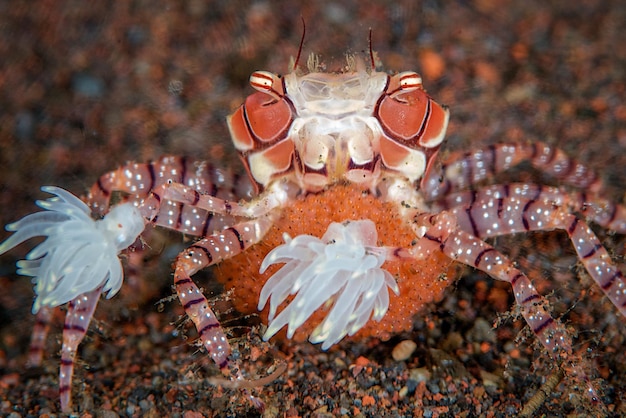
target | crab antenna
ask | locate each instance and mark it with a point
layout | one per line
(371, 52)
(295, 64)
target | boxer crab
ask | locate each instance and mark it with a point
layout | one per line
(360, 138)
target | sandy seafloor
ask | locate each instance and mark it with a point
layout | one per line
(87, 86)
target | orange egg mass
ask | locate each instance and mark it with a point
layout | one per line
(420, 283)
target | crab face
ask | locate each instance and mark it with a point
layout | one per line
(317, 129)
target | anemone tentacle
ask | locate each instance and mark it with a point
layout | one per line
(344, 267)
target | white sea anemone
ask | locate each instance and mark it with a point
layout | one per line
(342, 268)
(79, 254)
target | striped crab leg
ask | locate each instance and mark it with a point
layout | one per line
(443, 235)
(601, 211)
(139, 179)
(256, 208)
(73, 241)
(510, 215)
(38, 336)
(461, 170)
(79, 314)
(206, 252)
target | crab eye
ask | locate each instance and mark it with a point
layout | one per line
(409, 81)
(267, 82)
(262, 80)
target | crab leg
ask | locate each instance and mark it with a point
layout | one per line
(177, 192)
(79, 314)
(39, 335)
(462, 170)
(513, 215)
(468, 249)
(206, 252)
(601, 211)
(184, 217)
(139, 179)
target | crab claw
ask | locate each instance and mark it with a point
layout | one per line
(79, 254)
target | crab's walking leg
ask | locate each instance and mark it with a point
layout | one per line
(510, 215)
(139, 179)
(468, 249)
(462, 170)
(137, 182)
(206, 252)
(39, 335)
(601, 211)
(190, 197)
(79, 314)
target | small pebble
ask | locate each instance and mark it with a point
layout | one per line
(403, 350)
(88, 85)
(420, 374)
(107, 414)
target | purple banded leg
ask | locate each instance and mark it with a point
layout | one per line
(461, 246)
(460, 171)
(185, 218)
(550, 332)
(206, 252)
(510, 215)
(601, 211)
(198, 310)
(605, 213)
(189, 211)
(467, 249)
(190, 197)
(139, 179)
(38, 336)
(596, 260)
(79, 314)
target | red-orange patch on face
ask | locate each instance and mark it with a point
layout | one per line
(420, 283)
